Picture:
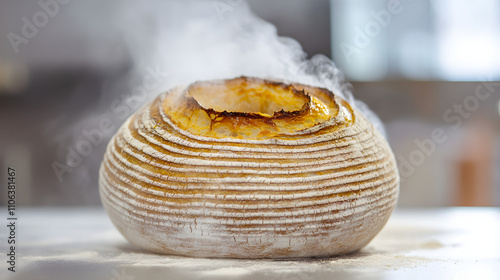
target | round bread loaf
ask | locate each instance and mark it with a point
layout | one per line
(249, 168)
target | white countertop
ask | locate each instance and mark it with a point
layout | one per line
(81, 243)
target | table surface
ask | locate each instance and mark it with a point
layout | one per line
(81, 243)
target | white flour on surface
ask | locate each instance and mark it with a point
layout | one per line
(83, 244)
(95, 243)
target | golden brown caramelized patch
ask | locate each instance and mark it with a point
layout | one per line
(250, 108)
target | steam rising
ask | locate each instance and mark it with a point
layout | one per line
(181, 42)
(203, 40)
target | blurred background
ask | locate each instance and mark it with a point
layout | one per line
(428, 68)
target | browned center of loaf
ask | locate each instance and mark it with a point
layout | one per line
(250, 108)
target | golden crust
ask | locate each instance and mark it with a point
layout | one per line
(250, 108)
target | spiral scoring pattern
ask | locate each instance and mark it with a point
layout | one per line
(324, 192)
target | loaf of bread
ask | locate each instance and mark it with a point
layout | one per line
(249, 168)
